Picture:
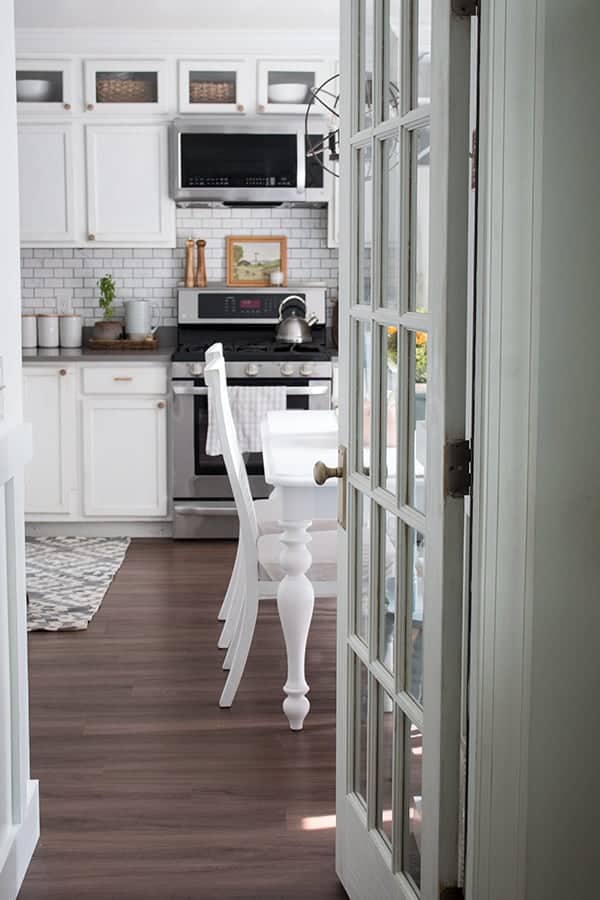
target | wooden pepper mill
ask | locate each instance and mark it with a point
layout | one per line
(188, 279)
(201, 270)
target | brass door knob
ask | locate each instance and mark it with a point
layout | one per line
(321, 472)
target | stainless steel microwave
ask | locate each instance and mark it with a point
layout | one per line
(253, 164)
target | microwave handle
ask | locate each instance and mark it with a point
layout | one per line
(301, 156)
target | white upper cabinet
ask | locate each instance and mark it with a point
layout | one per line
(115, 86)
(127, 185)
(215, 86)
(46, 183)
(284, 85)
(45, 85)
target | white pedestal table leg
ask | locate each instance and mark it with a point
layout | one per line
(295, 602)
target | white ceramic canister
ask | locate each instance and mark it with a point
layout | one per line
(29, 330)
(70, 331)
(47, 329)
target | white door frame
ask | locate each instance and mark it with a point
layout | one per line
(509, 173)
(19, 810)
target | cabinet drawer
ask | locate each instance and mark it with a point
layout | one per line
(124, 380)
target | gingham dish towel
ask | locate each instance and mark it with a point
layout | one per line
(249, 406)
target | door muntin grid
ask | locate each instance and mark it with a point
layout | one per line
(385, 322)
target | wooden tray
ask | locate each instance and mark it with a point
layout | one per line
(122, 344)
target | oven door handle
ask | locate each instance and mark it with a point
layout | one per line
(292, 391)
(189, 390)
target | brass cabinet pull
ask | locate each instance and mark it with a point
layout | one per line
(91, 237)
(62, 372)
(90, 107)
(122, 378)
(240, 107)
(67, 105)
(161, 404)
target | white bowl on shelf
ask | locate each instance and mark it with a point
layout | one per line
(33, 89)
(287, 93)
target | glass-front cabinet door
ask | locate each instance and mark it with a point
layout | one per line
(44, 85)
(119, 85)
(285, 85)
(214, 86)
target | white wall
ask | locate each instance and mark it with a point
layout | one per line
(18, 796)
(534, 724)
(564, 773)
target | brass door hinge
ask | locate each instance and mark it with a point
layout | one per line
(457, 469)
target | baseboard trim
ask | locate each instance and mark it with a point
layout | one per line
(21, 841)
(99, 529)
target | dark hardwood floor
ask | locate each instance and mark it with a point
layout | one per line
(148, 789)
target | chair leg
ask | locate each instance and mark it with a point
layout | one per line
(242, 647)
(232, 586)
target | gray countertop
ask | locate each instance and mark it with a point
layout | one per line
(167, 340)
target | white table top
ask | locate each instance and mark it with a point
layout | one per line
(293, 440)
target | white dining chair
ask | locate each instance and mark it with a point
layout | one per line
(257, 569)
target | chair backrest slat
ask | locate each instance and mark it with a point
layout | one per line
(214, 376)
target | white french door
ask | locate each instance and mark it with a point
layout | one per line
(403, 317)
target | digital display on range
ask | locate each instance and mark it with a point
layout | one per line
(250, 303)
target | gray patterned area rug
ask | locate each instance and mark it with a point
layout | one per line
(67, 578)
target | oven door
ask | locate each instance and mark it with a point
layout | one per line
(203, 504)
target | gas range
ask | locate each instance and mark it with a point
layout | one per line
(244, 320)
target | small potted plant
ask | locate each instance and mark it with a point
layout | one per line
(109, 328)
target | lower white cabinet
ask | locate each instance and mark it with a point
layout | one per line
(124, 456)
(99, 442)
(49, 403)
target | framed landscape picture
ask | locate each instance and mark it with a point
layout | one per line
(250, 260)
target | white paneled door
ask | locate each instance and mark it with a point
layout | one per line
(403, 240)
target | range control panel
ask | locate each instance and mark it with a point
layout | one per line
(241, 306)
(237, 305)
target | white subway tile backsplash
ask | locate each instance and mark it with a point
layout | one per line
(71, 274)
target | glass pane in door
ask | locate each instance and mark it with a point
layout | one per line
(361, 708)
(362, 585)
(422, 53)
(388, 587)
(413, 794)
(365, 218)
(368, 62)
(391, 218)
(393, 53)
(420, 162)
(415, 592)
(385, 765)
(363, 358)
(418, 414)
(389, 399)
